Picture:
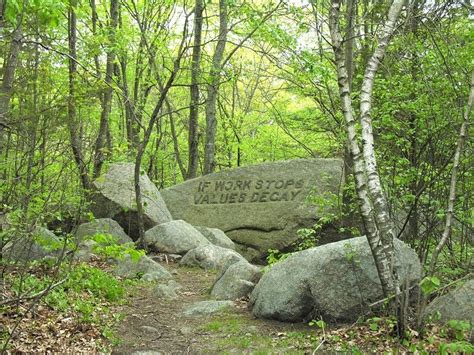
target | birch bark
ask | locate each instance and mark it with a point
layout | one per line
(371, 200)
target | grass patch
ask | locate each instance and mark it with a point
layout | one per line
(232, 326)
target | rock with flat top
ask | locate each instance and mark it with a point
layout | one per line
(262, 206)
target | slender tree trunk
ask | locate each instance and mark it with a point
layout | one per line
(452, 189)
(349, 63)
(94, 18)
(99, 156)
(3, 5)
(32, 127)
(382, 218)
(74, 124)
(349, 42)
(378, 226)
(174, 136)
(6, 88)
(213, 89)
(413, 155)
(193, 140)
(147, 134)
(130, 126)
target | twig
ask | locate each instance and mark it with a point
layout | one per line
(438, 290)
(389, 297)
(324, 337)
(320, 344)
(38, 294)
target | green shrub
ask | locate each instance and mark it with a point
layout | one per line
(108, 247)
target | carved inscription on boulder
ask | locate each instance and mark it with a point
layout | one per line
(259, 207)
(247, 191)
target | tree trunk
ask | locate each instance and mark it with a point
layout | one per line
(213, 89)
(9, 68)
(174, 136)
(382, 218)
(99, 156)
(452, 189)
(147, 134)
(74, 125)
(130, 125)
(371, 200)
(193, 140)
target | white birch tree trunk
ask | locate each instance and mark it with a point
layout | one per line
(372, 202)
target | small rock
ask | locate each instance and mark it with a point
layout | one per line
(186, 330)
(204, 308)
(85, 251)
(211, 257)
(252, 329)
(149, 330)
(147, 268)
(166, 257)
(168, 290)
(174, 237)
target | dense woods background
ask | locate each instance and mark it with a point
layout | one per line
(184, 88)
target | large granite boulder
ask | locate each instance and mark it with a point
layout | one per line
(262, 206)
(115, 198)
(237, 281)
(216, 237)
(174, 237)
(457, 304)
(211, 257)
(335, 281)
(40, 244)
(102, 226)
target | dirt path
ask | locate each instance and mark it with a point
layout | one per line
(171, 332)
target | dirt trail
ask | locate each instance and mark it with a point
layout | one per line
(233, 331)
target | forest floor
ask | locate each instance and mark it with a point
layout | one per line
(230, 331)
(236, 331)
(146, 324)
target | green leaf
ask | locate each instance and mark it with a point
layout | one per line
(429, 284)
